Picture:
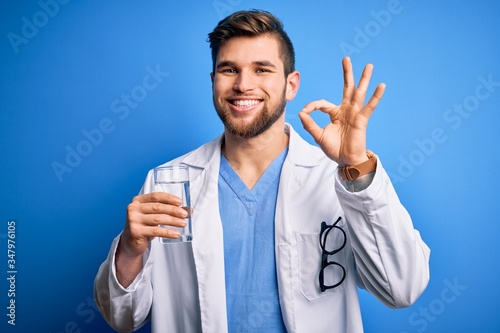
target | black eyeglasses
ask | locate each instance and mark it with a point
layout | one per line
(327, 250)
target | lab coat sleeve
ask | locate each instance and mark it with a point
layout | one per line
(125, 309)
(392, 261)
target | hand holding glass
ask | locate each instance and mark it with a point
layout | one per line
(175, 180)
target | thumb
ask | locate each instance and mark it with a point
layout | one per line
(310, 125)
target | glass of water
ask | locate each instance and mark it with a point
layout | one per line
(175, 180)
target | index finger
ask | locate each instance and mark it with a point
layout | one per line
(160, 197)
(320, 105)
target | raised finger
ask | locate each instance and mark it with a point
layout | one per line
(348, 79)
(368, 109)
(364, 81)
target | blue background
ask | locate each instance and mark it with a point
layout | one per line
(68, 78)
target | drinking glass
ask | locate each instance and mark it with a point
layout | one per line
(175, 180)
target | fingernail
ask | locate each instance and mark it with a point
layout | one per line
(184, 212)
(176, 234)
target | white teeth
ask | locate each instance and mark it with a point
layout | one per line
(245, 102)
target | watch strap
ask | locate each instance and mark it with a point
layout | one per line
(350, 173)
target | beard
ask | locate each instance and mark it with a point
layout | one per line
(262, 121)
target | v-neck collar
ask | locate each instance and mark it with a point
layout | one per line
(250, 198)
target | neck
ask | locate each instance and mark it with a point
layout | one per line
(251, 157)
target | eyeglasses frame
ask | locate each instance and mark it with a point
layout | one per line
(325, 229)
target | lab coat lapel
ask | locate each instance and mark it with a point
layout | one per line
(207, 235)
(300, 158)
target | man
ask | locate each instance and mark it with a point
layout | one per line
(283, 231)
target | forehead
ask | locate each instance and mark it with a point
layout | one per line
(247, 50)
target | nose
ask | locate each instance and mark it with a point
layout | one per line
(243, 82)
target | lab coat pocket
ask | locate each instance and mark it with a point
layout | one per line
(310, 257)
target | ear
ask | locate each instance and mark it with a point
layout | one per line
(292, 85)
(212, 77)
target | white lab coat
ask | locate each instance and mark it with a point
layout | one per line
(181, 287)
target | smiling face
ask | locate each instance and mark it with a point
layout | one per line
(250, 89)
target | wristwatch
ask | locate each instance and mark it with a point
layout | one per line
(350, 173)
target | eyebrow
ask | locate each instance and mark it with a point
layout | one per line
(228, 63)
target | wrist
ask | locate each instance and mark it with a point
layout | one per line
(124, 251)
(359, 184)
(127, 266)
